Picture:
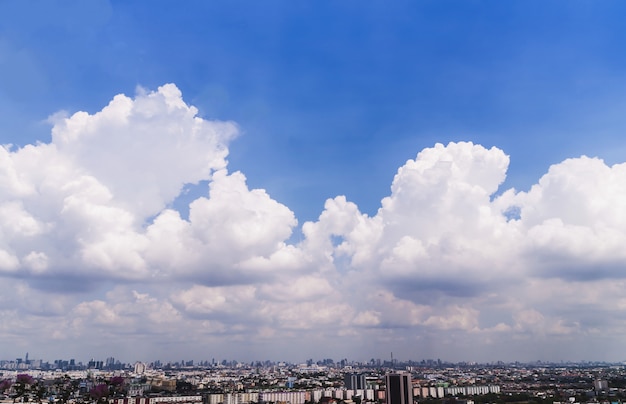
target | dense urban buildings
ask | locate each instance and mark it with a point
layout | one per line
(312, 382)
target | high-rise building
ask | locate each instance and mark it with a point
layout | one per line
(140, 368)
(399, 388)
(354, 381)
(109, 363)
(600, 386)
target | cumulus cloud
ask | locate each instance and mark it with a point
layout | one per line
(144, 150)
(444, 241)
(447, 253)
(92, 203)
(438, 225)
(574, 220)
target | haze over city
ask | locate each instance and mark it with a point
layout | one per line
(292, 180)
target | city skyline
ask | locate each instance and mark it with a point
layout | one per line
(436, 179)
(297, 384)
(353, 377)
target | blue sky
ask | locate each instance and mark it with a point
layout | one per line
(325, 99)
(324, 92)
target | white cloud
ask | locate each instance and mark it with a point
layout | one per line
(438, 225)
(226, 235)
(78, 204)
(305, 288)
(213, 302)
(91, 213)
(144, 150)
(367, 318)
(443, 242)
(574, 223)
(455, 317)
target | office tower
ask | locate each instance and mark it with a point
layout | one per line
(399, 388)
(354, 381)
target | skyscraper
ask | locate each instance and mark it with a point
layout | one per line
(399, 388)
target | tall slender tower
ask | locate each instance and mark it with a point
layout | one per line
(399, 388)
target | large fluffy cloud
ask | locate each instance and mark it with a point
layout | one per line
(92, 203)
(574, 220)
(451, 253)
(144, 150)
(448, 253)
(437, 230)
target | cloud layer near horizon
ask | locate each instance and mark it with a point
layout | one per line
(92, 252)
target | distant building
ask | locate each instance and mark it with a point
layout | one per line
(600, 386)
(471, 390)
(293, 397)
(140, 368)
(161, 384)
(399, 388)
(138, 389)
(158, 400)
